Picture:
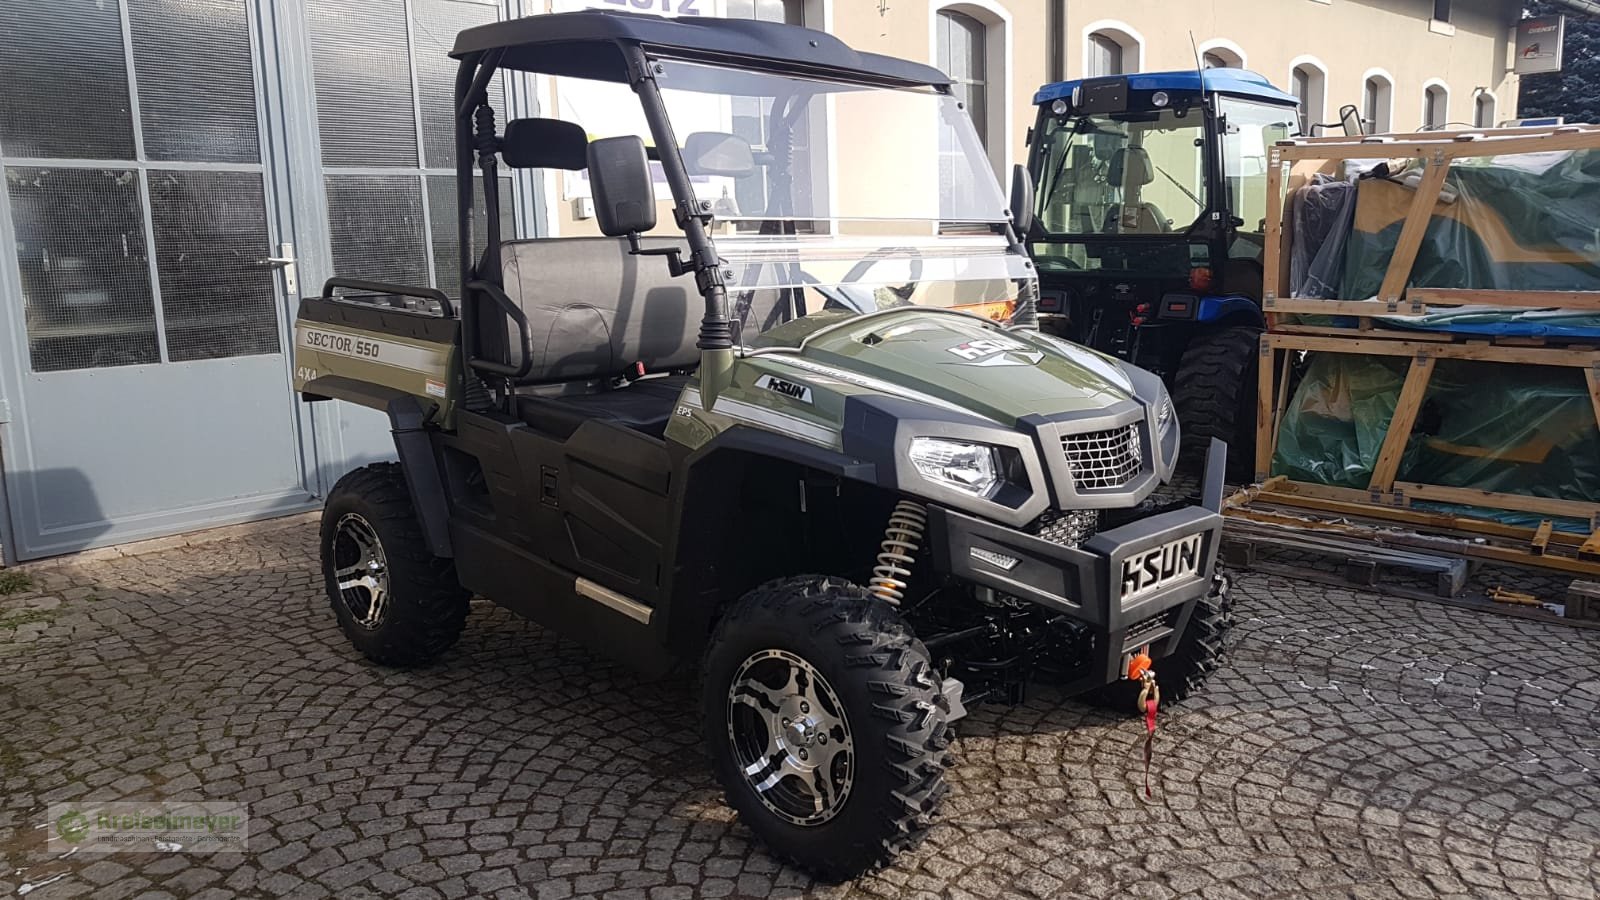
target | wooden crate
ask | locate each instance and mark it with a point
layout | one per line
(1292, 164)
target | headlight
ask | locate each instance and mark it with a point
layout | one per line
(970, 468)
(1164, 411)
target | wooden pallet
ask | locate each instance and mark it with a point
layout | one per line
(1365, 546)
(1361, 562)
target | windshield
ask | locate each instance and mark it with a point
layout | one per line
(827, 197)
(1125, 173)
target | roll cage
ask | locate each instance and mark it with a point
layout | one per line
(623, 48)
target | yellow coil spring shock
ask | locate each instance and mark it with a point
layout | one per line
(901, 539)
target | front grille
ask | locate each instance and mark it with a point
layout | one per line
(1069, 529)
(1103, 459)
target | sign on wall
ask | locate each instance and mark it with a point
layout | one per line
(1539, 42)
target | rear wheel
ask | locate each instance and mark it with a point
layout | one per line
(825, 724)
(1183, 672)
(1215, 395)
(397, 603)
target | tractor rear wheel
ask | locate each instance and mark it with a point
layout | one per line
(1215, 395)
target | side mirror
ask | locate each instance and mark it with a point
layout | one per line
(1022, 200)
(624, 194)
(1350, 118)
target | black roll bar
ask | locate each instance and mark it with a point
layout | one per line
(716, 330)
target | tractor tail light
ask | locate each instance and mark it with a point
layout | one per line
(1200, 279)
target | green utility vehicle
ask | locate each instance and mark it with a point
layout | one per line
(859, 488)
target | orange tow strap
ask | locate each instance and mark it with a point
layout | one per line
(1149, 700)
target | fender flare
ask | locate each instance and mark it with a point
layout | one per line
(1230, 310)
(421, 467)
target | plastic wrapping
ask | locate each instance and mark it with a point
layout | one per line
(1323, 212)
(1498, 427)
(1525, 222)
(1333, 426)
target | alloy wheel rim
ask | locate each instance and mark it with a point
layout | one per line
(361, 570)
(790, 737)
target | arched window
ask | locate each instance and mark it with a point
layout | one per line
(1310, 80)
(1111, 48)
(1483, 113)
(972, 44)
(1435, 107)
(1377, 103)
(962, 46)
(1105, 56)
(1221, 54)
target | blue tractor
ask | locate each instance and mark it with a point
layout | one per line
(1148, 231)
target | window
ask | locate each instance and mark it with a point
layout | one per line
(788, 12)
(1309, 85)
(1484, 110)
(1252, 128)
(1435, 107)
(1221, 54)
(1105, 57)
(1441, 10)
(1377, 105)
(1111, 47)
(961, 46)
(189, 210)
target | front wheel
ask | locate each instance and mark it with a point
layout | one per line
(826, 724)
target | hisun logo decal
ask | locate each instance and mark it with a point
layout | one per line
(998, 351)
(791, 389)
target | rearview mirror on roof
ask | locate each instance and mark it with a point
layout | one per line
(718, 153)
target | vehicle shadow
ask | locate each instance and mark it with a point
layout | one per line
(45, 512)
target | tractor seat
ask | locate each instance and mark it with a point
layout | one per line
(645, 405)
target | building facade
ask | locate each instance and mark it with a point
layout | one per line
(177, 173)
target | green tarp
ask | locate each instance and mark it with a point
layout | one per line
(1488, 426)
(1526, 222)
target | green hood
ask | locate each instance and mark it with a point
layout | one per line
(998, 374)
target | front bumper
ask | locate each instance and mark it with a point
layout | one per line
(1088, 583)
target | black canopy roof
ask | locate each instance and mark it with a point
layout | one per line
(588, 45)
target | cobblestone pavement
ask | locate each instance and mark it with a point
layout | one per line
(1354, 746)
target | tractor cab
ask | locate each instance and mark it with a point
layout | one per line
(1149, 229)
(1151, 204)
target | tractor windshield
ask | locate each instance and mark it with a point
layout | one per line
(1123, 173)
(827, 195)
